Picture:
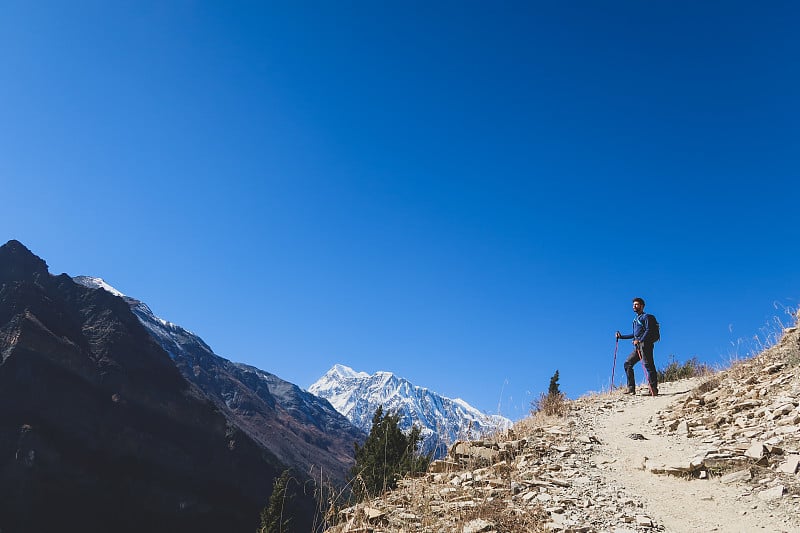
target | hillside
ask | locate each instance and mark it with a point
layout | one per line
(99, 431)
(718, 453)
(302, 430)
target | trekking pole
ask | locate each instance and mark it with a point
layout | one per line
(614, 366)
(646, 375)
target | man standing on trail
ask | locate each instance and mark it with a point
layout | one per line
(644, 332)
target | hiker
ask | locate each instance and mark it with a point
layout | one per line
(644, 333)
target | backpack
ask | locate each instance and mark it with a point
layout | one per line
(656, 330)
(656, 334)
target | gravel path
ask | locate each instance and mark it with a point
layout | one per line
(679, 504)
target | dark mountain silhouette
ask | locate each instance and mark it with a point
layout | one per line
(100, 431)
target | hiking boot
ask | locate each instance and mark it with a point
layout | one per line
(654, 392)
(630, 391)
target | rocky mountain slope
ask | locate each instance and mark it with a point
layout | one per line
(99, 431)
(301, 429)
(442, 420)
(716, 453)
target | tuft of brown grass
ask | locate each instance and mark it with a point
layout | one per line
(533, 520)
(708, 385)
(550, 404)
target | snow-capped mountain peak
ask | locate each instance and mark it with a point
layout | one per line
(442, 420)
(159, 327)
(346, 372)
(97, 283)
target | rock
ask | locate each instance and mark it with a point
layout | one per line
(780, 410)
(756, 451)
(443, 465)
(733, 477)
(773, 449)
(479, 525)
(475, 451)
(699, 458)
(373, 514)
(771, 494)
(790, 466)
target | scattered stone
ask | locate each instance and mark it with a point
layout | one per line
(443, 465)
(790, 466)
(734, 477)
(756, 451)
(479, 525)
(373, 514)
(474, 452)
(774, 493)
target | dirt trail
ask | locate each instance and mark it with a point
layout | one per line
(681, 505)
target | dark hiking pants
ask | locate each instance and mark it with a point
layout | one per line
(649, 366)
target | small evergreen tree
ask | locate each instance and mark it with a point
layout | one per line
(274, 519)
(553, 389)
(387, 455)
(554, 403)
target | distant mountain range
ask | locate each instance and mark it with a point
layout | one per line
(442, 420)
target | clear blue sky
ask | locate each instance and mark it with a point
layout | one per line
(467, 194)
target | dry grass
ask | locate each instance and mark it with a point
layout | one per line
(708, 385)
(550, 404)
(417, 498)
(676, 371)
(769, 335)
(505, 519)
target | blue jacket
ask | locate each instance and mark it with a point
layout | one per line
(643, 329)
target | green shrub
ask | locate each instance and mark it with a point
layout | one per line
(387, 455)
(275, 517)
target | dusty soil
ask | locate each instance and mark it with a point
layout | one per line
(679, 504)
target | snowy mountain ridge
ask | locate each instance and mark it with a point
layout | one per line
(442, 420)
